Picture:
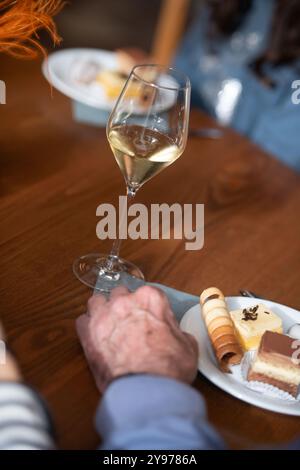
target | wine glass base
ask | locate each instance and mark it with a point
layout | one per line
(92, 271)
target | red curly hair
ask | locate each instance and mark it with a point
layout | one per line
(20, 21)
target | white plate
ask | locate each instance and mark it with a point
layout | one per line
(58, 70)
(192, 323)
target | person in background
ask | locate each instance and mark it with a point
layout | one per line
(243, 59)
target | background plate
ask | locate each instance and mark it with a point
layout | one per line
(57, 69)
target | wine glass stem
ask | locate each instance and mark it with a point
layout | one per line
(114, 254)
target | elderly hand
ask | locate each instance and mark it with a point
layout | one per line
(135, 333)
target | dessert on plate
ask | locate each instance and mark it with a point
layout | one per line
(251, 323)
(220, 328)
(265, 356)
(277, 363)
(113, 81)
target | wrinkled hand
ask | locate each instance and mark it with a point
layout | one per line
(135, 333)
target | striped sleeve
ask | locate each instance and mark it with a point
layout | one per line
(25, 423)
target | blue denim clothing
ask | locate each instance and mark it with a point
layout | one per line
(224, 85)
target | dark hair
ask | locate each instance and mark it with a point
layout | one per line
(226, 16)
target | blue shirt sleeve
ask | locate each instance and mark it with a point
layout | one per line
(152, 412)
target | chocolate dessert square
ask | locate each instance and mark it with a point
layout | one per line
(277, 363)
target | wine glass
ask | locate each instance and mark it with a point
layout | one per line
(147, 131)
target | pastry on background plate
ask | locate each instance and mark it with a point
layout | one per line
(251, 323)
(277, 363)
(113, 81)
(220, 328)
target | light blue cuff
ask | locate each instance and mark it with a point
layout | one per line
(152, 412)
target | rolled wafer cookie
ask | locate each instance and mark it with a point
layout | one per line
(220, 328)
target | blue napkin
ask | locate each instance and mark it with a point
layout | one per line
(180, 301)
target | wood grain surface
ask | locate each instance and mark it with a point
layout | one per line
(55, 172)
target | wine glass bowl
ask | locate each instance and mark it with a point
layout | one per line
(147, 131)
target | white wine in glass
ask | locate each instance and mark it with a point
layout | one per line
(147, 131)
(141, 153)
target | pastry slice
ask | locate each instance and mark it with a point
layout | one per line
(220, 328)
(277, 362)
(251, 323)
(112, 82)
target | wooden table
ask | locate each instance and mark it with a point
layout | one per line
(55, 172)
